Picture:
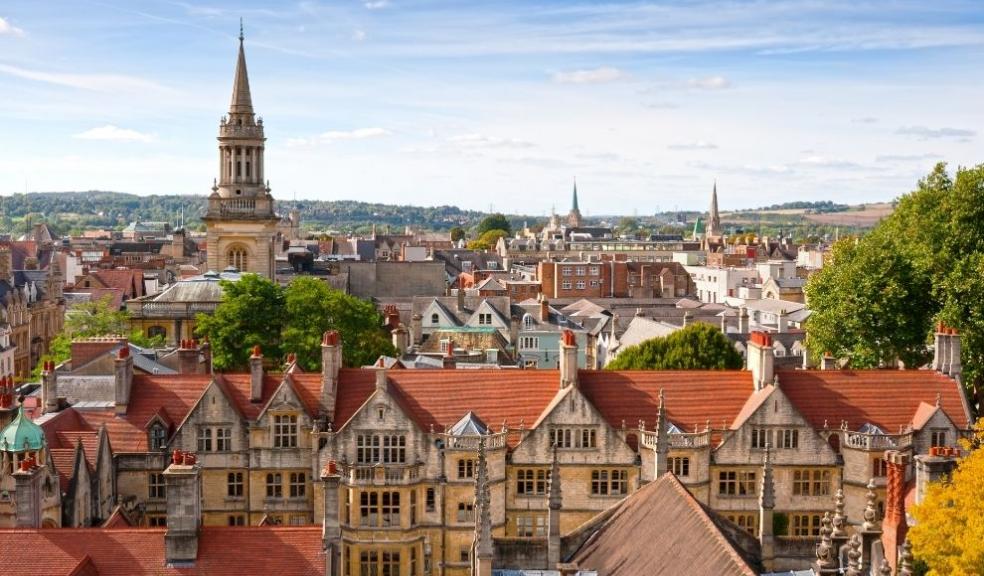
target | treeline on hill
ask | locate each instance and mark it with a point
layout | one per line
(71, 211)
(819, 207)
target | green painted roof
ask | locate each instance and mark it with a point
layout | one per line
(21, 435)
(698, 226)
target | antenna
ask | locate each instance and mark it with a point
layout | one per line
(241, 36)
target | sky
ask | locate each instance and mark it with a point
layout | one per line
(499, 105)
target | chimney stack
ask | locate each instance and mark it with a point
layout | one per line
(331, 527)
(544, 309)
(956, 368)
(256, 375)
(934, 467)
(761, 359)
(28, 494)
(382, 384)
(894, 525)
(183, 492)
(331, 363)
(941, 357)
(122, 379)
(568, 359)
(401, 339)
(49, 387)
(416, 329)
(742, 320)
(461, 297)
(448, 360)
(828, 362)
(188, 357)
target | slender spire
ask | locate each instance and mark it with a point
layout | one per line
(713, 218)
(483, 514)
(574, 207)
(662, 438)
(242, 101)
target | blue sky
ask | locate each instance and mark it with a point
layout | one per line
(499, 103)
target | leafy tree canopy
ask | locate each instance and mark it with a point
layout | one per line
(495, 221)
(255, 310)
(949, 535)
(696, 347)
(487, 240)
(457, 233)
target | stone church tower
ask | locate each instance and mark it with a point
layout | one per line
(241, 224)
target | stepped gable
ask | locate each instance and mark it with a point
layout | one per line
(888, 399)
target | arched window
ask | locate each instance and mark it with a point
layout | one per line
(238, 257)
(435, 319)
(527, 321)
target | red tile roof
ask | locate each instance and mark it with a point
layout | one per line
(354, 388)
(888, 399)
(271, 551)
(64, 461)
(692, 397)
(129, 281)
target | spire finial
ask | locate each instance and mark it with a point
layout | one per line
(241, 35)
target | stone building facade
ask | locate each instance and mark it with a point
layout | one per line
(404, 444)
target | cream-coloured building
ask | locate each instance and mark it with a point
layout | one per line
(241, 225)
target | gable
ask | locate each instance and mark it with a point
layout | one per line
(485, 308)
(444, 318)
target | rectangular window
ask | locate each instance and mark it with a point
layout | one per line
(157, 520)
(580, 285)
(761, 438)
(429, 503)
(805, 525)
(285, 431)
(204, 439)
(223, 439)
(524, 526)
(237, 520)
(879, 468)
(391, 564)
(532, 482)
(369, 563)
(466, 468)
(485, 319)
(367, 449)
(736, 483)
(464, 554)
(379, 509)
(811, 482)
(413, 507)
(748, 522)
(274, 486)
(158, 437)
(158, 490)
(595, 271)
(413, 561)
(566, 270)
(609, 482)
(234, 485)
(937, 437)
(394, 449)
(573, 437)
(787, 438)
(298, 486)
(390, 511)
(566, 285)
(529, 343)
(466, 512)
(680, 466)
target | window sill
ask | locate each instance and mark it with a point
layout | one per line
(235, 499)
(609, 495)
(737, 496)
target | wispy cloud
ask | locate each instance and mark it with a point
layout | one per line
(695, 145)
(907, 157)
(8, 29)
(924, 133)
(483, 141)
(710, 83)
(865, 120)
(358, 35)
(114, 133)
(94, 82)
(376, 4)
(339, 135)
(600, 75)
(819, 161)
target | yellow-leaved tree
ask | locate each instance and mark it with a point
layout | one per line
(949, 532)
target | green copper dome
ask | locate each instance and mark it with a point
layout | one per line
(21, 435)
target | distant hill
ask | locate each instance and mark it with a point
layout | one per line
(100, 209)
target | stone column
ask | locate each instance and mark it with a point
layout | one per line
(331, 527)
(27, 495)
(181, 480)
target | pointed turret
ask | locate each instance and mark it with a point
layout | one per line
(662, 438)
(713, 218)
(483, 515)
(574, 207)
(242, 101)
(574, 216)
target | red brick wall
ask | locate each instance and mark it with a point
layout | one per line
(84, 351)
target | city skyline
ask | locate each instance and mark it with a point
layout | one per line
(428, 103)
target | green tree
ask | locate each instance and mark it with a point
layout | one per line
(95, 318)
(487, 240)
(871, 305)
(494, 222)
(696, 347)
(312, 308)
(251, 313)
(457, 233)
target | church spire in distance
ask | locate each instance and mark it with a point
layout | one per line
(242, 101)
(713, 226)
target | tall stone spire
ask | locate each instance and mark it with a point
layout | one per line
(713, 218)
(574, 206)
(662, 438)
(483, 515)
(574, 216)
(242, 101)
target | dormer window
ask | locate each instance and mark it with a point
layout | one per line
(527, 322)
(285, 431)
(158, 437)
(435, 319)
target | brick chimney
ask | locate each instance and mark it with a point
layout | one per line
(122, 379)
(256, 375)
(956, 368)
(544, 309)
(188, 357)
(401, 339)
(461, 297)
(86, 350)
(331, 363)
(49, 387)
(934, 467)
(761, 359)
(894, 525)
(828, 362)
(941, 351)
(568, 359)
(183, 492)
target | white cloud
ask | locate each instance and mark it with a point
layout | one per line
(94, 82)
(710, 83)
(865, 120)
(8, 29)
(593, 76)
(337, 136)
(110, 132)
(483, 141)
(818, 161)
(924, 133)
(695, 145)
(376, 4)
(358, 35)
(907, 157)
